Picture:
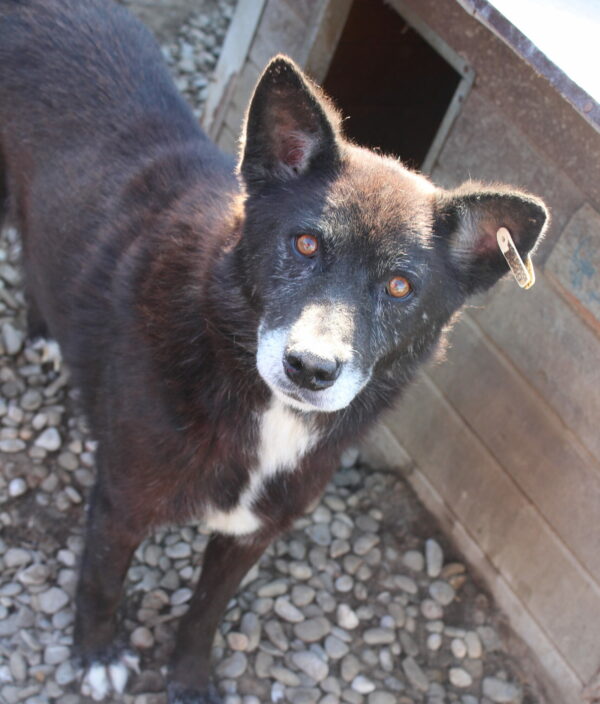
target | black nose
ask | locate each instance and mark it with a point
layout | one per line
(310, 371)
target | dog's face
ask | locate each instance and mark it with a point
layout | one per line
(352, 260)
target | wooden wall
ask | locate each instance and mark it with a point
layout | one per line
(502, 440)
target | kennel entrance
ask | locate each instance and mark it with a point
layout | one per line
(397, 84)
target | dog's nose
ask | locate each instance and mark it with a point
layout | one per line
(310, 371)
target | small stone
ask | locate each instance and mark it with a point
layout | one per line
(56, 654)
(434, 557)
(288, 611)
(431, 609)
(18, 666)
(415, 674)
(16, 557)
(68, 461)
(350, 667)
(300, 571)
(10, 446)
(349, 457)
(237, 641)
(474, 648)
(251, 628)
(233, 666)
(181, 596)
(285, 676)
(414, 560)
(12, 339)
(312, 630)
(276, 635)
(320, 534)
(382, 698)
(302, 595)
(311, 664)
(362, 685)
(335, 648)
(273, 589)
(365, 543)
(178, 551)
(442, 592)
(344, 583)
(458, 648)
(501, 691)
(52, 600)
(65, 673)
(434, 641)
(346, 617)
(460, 678)
(379, 636)
(49, 440)
(338, 548)
(407, 584)
(142, 638)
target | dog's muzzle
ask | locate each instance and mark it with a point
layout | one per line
(311, 371)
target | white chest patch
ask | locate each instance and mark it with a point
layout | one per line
(284, 438)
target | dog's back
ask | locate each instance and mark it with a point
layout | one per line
(107, 144)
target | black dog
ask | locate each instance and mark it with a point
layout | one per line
(231, 331)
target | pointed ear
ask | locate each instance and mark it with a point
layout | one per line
(469, 219)
(290, 127)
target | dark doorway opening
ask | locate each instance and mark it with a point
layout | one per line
(390, 84)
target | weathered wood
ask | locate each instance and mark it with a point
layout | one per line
(233, 55)
(553, 347)
(555, 588)
(526, 438)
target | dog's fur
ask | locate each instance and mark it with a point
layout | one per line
(222, 371)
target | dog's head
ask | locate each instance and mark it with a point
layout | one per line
(353, 261)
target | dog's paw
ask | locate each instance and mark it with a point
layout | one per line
(105, 680)
(49, 352)
(177, 694)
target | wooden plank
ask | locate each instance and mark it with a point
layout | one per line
(559, 678)
(281, 30)
(550, 344)
(233, 55)
(509, 530)
(526, 438)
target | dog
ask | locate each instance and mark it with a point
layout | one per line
(232, 328)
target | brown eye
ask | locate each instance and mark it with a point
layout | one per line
(398, 287)
(307, 245)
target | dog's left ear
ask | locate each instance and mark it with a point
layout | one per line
(469, 218)
(290, 127)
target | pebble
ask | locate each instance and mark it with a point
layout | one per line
(414, 560)
(434, 557)
(313, 629)
(10, 446)
(53, 600)
(16, 557)
(142, 638)
(458, 648)
(12, 338)
(501, 691)
(311, 664)
(434, 641)
(460, 678)
(365, 543)
(379, 636)
(442, 592)
(415, 674)
(287, 610)
(346, 617)
(383, 698)
(233, 666)
(362, 685)
(474, 648)
(49, 440)
(335, 648)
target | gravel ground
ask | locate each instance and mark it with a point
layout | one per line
(362, 603)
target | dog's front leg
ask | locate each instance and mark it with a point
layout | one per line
(111, 540)
(226, 561)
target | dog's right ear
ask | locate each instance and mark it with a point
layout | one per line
(290, 127)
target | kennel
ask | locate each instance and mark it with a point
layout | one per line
(502, 441)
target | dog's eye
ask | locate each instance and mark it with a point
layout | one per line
(398, 287)
(306, 245)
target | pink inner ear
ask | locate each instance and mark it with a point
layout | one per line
(295, 149)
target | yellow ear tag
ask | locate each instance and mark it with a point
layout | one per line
(521, 270)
